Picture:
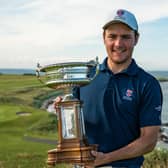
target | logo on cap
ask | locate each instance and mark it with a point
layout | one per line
(120, 13)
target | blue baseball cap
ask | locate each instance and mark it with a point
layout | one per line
(125, 17)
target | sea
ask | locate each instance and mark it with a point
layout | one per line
(17, 71)
(157, 74)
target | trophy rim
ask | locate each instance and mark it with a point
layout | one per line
(62, 84)
(49, 67)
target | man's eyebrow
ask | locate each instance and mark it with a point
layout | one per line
(113, 34)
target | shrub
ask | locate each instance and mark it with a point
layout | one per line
(156, 159)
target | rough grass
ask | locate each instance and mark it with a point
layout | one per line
(156, 159)
(20, 87)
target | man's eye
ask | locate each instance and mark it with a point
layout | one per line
(126, 37)
(112, 37)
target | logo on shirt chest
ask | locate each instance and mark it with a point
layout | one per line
(128, 95)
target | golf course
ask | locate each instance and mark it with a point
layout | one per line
(27, 132)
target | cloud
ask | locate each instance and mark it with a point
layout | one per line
(38, 29)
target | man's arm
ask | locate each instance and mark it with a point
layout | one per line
(144, 144)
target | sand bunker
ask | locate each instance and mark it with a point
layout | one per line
(23, 113)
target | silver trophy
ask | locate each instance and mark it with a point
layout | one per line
(72, 142)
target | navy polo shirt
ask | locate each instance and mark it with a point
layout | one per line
(116, 106)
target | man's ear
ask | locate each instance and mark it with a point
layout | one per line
(136, 38)
(103, 35)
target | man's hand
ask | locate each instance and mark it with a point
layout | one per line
(57, 100)
(99, 159)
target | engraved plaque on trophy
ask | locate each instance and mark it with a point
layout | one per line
(72, 142)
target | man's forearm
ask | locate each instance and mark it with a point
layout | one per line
(134, 149)
(144, 144)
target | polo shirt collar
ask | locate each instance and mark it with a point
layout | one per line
(131, 70)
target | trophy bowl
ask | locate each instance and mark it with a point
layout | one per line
(69, 74)
(72, 145)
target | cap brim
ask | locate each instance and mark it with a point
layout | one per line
(115, 21)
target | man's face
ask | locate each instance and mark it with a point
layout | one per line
(119, 41)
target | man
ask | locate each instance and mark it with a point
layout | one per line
(122, 105)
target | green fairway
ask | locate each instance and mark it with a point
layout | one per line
(14, 149)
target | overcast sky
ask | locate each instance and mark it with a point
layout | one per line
(50, 31)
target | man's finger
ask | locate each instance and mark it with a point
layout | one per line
(94, 153)
(58, 99)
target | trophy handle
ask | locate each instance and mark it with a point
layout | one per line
(96, 62)
(38, 73)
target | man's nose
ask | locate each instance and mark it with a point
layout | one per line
(118, 41)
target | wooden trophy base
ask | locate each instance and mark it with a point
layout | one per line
(79, 155)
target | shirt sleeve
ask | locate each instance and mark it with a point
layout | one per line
(151, 104)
